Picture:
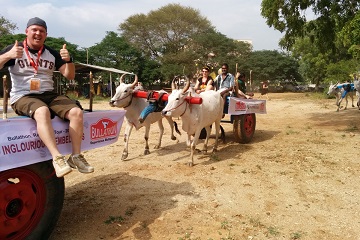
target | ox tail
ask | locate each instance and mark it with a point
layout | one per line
(222, 136)
(176, 128)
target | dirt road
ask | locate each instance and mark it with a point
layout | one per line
(298, 179)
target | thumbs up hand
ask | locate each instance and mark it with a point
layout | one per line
(64, 53)
(16, 51)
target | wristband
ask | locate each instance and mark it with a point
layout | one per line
(70, 61)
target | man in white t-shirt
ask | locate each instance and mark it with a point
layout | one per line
(31, 65)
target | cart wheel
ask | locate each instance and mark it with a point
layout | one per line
(244, 127)
(31, 199)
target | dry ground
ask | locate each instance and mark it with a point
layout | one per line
(297, 179)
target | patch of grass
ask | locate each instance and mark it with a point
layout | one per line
(296, 235)
(255, 222)
(97, 98)
(130, 210)
(317, 95)
(214, 157)
(272, 231)
(351, 128)
(225, 225)
(114, 219)
(289, 132)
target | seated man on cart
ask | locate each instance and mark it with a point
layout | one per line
(31, 65)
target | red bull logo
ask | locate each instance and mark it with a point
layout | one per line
(240, 106)
(103, 128)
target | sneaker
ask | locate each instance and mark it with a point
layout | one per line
(61, 167)
(78, 161)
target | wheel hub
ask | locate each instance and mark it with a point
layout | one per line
(21, 203)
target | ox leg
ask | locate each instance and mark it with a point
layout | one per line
(338, 104)
(188, 141)
(352, 100)
(193, 147)
(171, 123)
(346, 102)
(126, 140)
(208, 132)
(146, 137)
(217, 129)
(161, 132)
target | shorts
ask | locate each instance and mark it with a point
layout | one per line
(59, 105)
(264, 91)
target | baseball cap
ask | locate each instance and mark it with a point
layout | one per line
(36, 21)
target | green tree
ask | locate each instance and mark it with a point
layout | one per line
(329, 19)
(6, 27)
(165, 35)
(271, 65)
(166, 30)
(115, 51)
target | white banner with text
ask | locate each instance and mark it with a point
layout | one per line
(20, 144)
(238, 106)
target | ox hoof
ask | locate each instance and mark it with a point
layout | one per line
(146, 152)
(173, 138)
(124, 156)
(190, 164)
(156, 147)
(214, 150)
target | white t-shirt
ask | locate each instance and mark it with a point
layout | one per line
(21, 72)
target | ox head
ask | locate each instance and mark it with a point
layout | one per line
(176, 104)
(123, 94)
(333, 89)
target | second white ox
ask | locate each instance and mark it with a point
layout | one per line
(337, 90)
(123, 98)
(195, 117)
(357, 88)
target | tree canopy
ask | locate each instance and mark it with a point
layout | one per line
(6, 27)
(320, 20)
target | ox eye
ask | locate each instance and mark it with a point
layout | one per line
(177, 99)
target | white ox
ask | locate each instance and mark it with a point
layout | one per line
(195, 117)
(337, 90)
(123, 98)
(357, 87)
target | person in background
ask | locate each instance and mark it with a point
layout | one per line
(31, 65)
(241, 85)
(264, 89)
(205, 82)
(224, 81)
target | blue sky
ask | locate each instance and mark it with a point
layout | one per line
(86, 22)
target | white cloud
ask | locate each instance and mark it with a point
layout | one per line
(85, 23)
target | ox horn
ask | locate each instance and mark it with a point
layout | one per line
(187, 85)
(121, 78)
(135, 81)
(173, 86)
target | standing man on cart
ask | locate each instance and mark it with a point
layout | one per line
(31, 65)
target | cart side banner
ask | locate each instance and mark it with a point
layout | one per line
(238, 106)
(20, 144)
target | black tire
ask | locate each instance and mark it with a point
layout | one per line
(244, 127)
(31, 200)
